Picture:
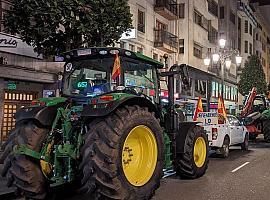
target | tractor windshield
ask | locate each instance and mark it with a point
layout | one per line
(92, 77)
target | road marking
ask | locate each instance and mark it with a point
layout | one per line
(236, 169)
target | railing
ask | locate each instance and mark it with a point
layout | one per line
(170, 5)
(162, 36)
(247, 10)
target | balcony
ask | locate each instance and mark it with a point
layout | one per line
(247, 10)
(167, 8)
(165, 41)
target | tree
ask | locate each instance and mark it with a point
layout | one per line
(252, 76)
(55, 26)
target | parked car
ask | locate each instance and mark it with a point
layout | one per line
(226, 133)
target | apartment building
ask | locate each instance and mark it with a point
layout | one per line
(247, 30)
(262, 43)
(24, 76)
(262, 35)
(255, 34)
(183, 30)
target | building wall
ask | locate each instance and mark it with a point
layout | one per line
(192, 33)
(248, 31)
(261, 46)
(146, 40)
(21, 67)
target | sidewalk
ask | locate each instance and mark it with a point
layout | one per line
(5, 192)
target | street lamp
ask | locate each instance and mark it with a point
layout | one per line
(223, 55)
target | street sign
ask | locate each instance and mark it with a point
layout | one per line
(208, 118)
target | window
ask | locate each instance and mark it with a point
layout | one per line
(200, 88)
(212, 35)
(131, 47)
(213, 89)
(233, 43)
(197, 18)
(201, 20)
(139, 49)
(239, 44)
(122, 44)
(140, 78)
(257, 36)
(221, 12)
(197, 51)
(246, 26)
(213, 7)
(250, 48)
(155, 56)
(250, 29)
(181, 10)
(181, 46)
(239, 24)
(246, 46)
(161, 26)
(141, 21)
(232, 17)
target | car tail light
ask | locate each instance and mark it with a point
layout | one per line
(35, 103)
(214, 133)
(38, 103)
(106, 98)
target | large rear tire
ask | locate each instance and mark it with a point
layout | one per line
(122, 157)
(22, 171)
(194, 161)
(266, 130)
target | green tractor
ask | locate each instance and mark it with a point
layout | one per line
(112, 138)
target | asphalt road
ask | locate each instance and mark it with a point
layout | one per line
(251, 182)
(224, 180)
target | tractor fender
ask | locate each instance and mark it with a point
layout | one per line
(101, 110)
(184, 127)
(45, 115)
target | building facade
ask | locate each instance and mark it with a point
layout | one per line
(24, 76)
(185, 31)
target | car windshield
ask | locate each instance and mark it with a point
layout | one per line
(93, 77)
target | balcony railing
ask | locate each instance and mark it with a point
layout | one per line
(247, 10)
(163, 38)
(167, 8)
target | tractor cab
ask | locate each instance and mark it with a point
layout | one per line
(89, 73)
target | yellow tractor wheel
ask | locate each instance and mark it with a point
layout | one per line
(139, 155)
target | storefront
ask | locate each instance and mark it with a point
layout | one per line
(24, 76)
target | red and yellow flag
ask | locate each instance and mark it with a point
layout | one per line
(221, 107)
(116, 67)
(199, 108)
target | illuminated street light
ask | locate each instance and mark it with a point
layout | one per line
(222, 43)
(223, 55)
(238, 59)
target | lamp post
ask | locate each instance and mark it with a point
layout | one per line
(223, 55)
